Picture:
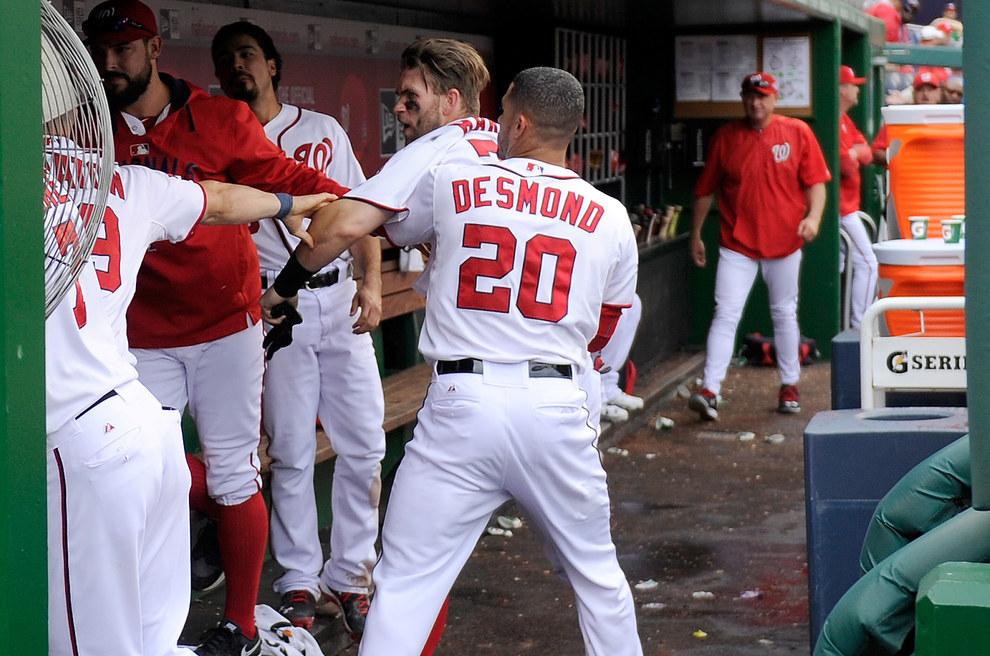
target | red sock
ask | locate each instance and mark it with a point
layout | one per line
(243, 534)
(437, 632)
(199, 498)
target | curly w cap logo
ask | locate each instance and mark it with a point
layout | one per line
(781, 152)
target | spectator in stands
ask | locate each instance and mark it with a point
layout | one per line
(952, 90)
(926, 92)
(951, 20)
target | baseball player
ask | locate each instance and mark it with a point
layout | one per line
(439, 96)
(330, 369)
(770, 175)
(208, 354)
(118, 527)
(854, 152)
(531, 267)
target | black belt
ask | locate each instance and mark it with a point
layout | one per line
(476, 366)
(316, 281)
(108, 395)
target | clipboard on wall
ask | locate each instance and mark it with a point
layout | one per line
(710, 68)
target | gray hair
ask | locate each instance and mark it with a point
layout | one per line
(552, 98)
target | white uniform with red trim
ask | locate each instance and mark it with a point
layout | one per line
(118, 484)
(329, 372)
(525, 255)
(118, 490)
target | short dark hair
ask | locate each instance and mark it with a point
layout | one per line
(449, 64)
(552, 98)
(255, 32)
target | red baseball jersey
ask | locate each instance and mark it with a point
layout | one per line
(849, 191)
(207, 286)
(761, 177)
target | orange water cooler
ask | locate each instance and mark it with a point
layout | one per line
(926, 165)
(922, 267)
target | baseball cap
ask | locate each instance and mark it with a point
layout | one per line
(120, 21)
(848, 76)
(926, 77)
(762, 83)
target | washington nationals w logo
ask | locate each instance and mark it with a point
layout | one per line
(781, 152)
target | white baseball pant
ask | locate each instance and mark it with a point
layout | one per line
(864, 264)
(221, 382)
(733, 283)
(331, 372)
(118, 530)
(482, 439)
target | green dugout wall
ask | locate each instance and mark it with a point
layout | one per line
(23, 579)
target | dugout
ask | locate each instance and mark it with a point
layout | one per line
(626, 52)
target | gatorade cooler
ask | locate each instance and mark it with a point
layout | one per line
(926, 163)
(922, 267)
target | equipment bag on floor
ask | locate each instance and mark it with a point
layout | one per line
(759, 350)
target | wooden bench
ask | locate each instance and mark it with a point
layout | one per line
(404, 391)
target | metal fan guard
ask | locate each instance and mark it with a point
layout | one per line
(78, 153)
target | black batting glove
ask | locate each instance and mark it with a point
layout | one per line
(280, 335)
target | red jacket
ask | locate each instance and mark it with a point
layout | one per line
(207, 286)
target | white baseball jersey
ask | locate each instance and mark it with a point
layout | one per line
(83, 363)
(526, 278)
(400, 186)
(319, 142)
(144, 206)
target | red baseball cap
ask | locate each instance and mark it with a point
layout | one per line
(762, 83)
(926, 77)
(848, 76)
(120, 21)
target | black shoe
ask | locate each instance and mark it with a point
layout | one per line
(227, 639)
(299, 607)
(207, 567)
(353, 607)
(705, 403)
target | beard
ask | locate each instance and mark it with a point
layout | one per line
(429, 120)
(243, 89)
(134, 89)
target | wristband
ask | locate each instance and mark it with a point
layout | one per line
(285, 205)
(291, 278)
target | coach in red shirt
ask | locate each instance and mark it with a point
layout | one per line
(769, 174)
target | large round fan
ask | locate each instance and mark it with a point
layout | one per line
(78, 153)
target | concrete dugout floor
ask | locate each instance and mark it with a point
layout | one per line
(717, 522)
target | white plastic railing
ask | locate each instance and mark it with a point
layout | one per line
(947, 377)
